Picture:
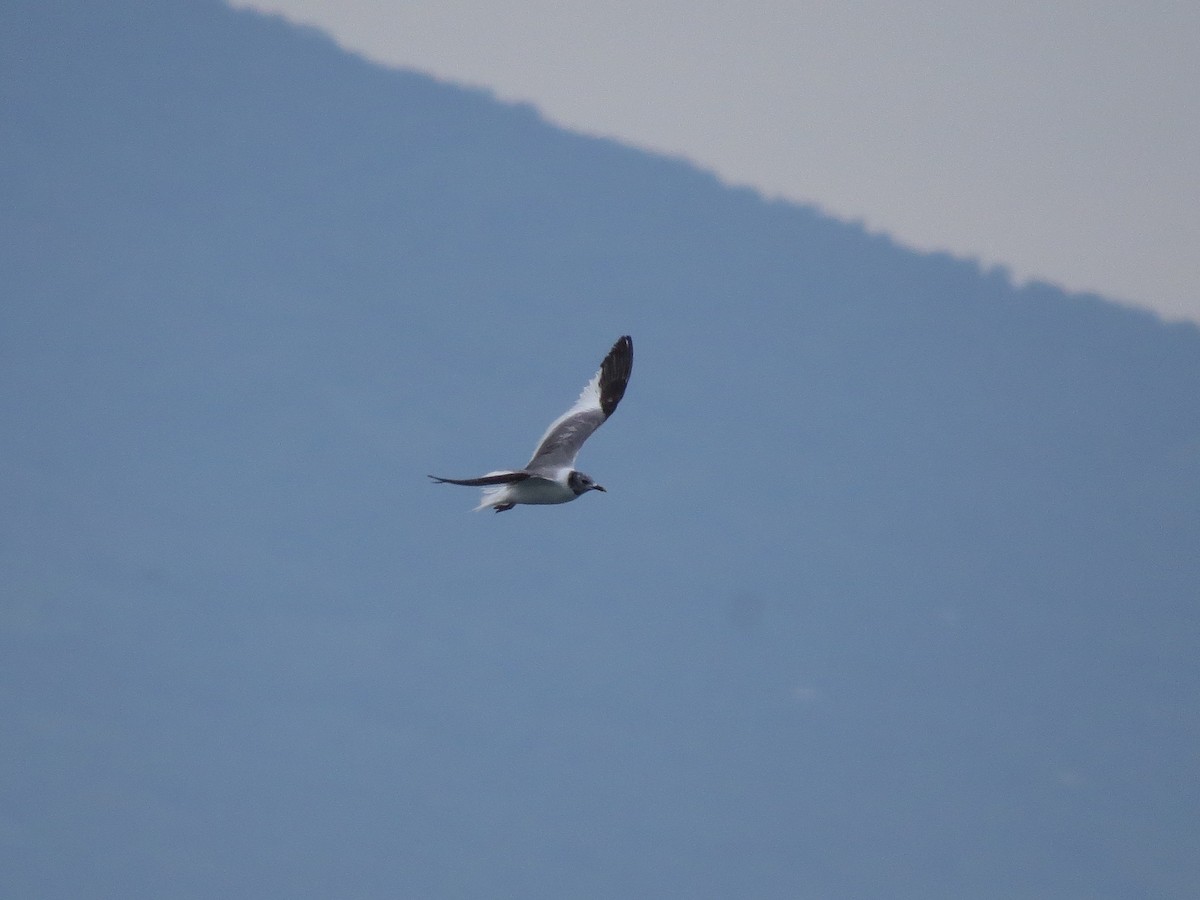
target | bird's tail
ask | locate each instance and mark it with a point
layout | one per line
(493, 496)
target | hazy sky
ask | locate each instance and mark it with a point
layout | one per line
(1060, 139)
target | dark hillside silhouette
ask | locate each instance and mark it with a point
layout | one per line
(894, 592)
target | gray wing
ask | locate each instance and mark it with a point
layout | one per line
(561, 442)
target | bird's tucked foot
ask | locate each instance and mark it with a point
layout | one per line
(501, 507)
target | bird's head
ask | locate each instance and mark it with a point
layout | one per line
(581, 483)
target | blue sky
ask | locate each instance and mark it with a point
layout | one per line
(1056, 139)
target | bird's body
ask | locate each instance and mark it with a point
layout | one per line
(551, 476)
(521, 487)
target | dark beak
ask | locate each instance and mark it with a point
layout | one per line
(599, 487)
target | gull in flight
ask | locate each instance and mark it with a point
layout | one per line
(550, 476)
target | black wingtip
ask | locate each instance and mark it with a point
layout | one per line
(614, 374)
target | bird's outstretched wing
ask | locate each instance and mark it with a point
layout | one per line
(561, 442)
(484, 480)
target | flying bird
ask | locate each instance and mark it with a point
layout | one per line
(550, 476)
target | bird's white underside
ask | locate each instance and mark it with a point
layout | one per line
(538, 491)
